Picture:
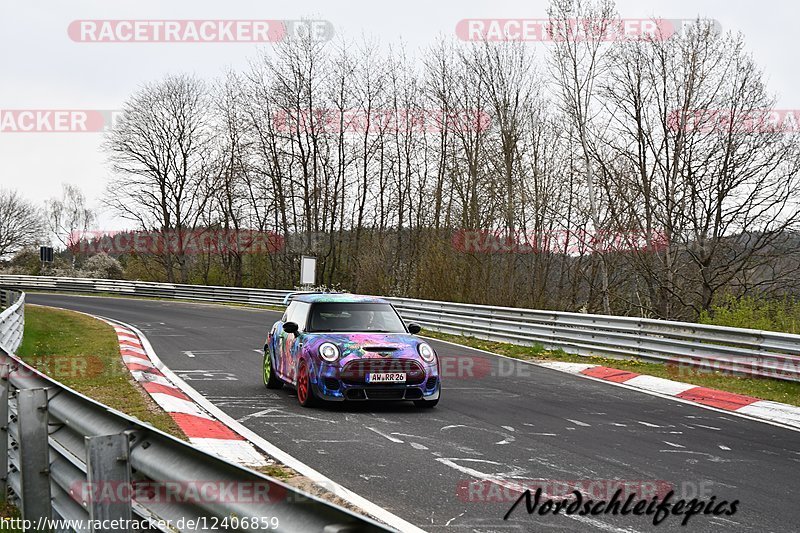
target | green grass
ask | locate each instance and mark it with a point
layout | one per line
(7, 512)
(764, 388)
(755, 313)
(83, 353)
(277, 471)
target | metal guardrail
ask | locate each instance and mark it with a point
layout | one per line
(64, 456)
(147, 289)
(741, 351)
(12, 318)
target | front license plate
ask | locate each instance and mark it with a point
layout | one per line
(386, 377)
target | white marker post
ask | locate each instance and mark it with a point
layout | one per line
(308, 270)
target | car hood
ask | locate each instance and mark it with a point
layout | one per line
(366, 344)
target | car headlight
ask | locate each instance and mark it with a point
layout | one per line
(329, 351)
(426, 352)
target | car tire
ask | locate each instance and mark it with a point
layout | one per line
(271, 380)
(305, 393)
(426, 404)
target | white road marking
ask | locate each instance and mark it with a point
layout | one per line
(723, 447)
(367, 478)
(725, 520)
(239, 451)
(459, 516)
(673, 444)
(278, 412)
(133, 349)
(137, 361)
(453, 426)
(149, 377)
(708, 427)
(505, 440)
(385, 436)
(509, 428)
(660, 385)
(171, 404)
(188, 354)
(579, 423)
(497, 478)
(418, 446)
(648, 424)
(205, 375)
(712, 458)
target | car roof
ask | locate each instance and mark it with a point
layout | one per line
(337, 297)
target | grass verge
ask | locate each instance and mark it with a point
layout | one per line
(83, 353)
(764, 388)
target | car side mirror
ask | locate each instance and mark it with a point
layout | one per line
(414, 328)
(290, 327)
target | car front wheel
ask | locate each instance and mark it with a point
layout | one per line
(305, 394)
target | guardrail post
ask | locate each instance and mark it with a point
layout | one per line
(34, 454)
(4, 432)
(108, 471)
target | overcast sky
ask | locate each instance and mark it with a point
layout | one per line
(42, 68)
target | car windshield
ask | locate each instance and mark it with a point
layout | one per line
(354, 317)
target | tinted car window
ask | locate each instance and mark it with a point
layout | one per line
(355, 317)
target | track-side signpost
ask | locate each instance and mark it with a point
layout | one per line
(308, 270)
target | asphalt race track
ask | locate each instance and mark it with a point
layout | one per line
(502, 420)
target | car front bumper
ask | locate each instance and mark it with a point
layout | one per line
(330, 386)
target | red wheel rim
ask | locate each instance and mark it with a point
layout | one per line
(302, 385)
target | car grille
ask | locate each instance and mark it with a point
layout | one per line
(385, 394)
(355, 372)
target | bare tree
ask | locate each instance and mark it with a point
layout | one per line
(68, 216)
(577, 63)
(688, 169)
(333, 146)
(161, 154)
(21, 222)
